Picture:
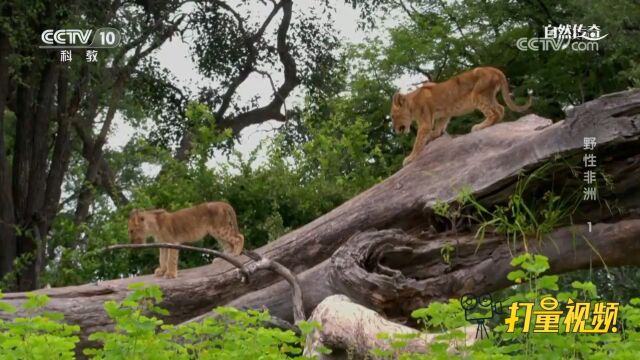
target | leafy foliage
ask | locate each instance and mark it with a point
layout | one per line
(36, 336)
(139, 334)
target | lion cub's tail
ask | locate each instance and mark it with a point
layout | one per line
(231, 216)
(504, 87)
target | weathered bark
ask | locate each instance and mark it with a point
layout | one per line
(351, 331)
(245, 270)
(395, 273)
(486, 161)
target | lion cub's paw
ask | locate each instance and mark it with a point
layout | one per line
(159, 272)
(170, 275)
(476, 127)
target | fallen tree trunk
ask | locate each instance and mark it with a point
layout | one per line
(394, 273)
(487, 162)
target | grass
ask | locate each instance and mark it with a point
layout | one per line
(529, 214)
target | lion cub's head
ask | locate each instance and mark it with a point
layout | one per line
(400, 114)
(142, 224)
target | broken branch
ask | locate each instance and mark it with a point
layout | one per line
(244, 276)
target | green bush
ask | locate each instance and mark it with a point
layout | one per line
(36, 336)
(232, 334)
(139, 334)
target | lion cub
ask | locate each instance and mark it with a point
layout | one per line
(217, 219)
(433, 104)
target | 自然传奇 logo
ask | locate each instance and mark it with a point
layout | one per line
(561, 37)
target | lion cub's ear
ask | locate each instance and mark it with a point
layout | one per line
(133, 212)
(398, 99)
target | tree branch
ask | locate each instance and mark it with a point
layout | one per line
(411, 13)
(271, 111)
(105, 177)
(296, 291)
(244, 273)
(423, 72)
(248, 66)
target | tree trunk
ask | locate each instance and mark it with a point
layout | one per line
(372, 263)
(7, 219)
(30, 169)
(32, 242)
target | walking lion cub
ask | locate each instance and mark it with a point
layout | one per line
(217, 219)
(433, 104)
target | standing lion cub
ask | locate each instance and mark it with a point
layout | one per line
(433, 104)
(217, 219)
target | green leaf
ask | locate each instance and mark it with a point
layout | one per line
(35, 301)
(8, 308)
(516, 276)
(548, 282)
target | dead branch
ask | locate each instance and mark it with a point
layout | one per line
(296, 291)
(244, 275)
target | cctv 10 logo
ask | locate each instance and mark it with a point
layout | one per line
(77, 38)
